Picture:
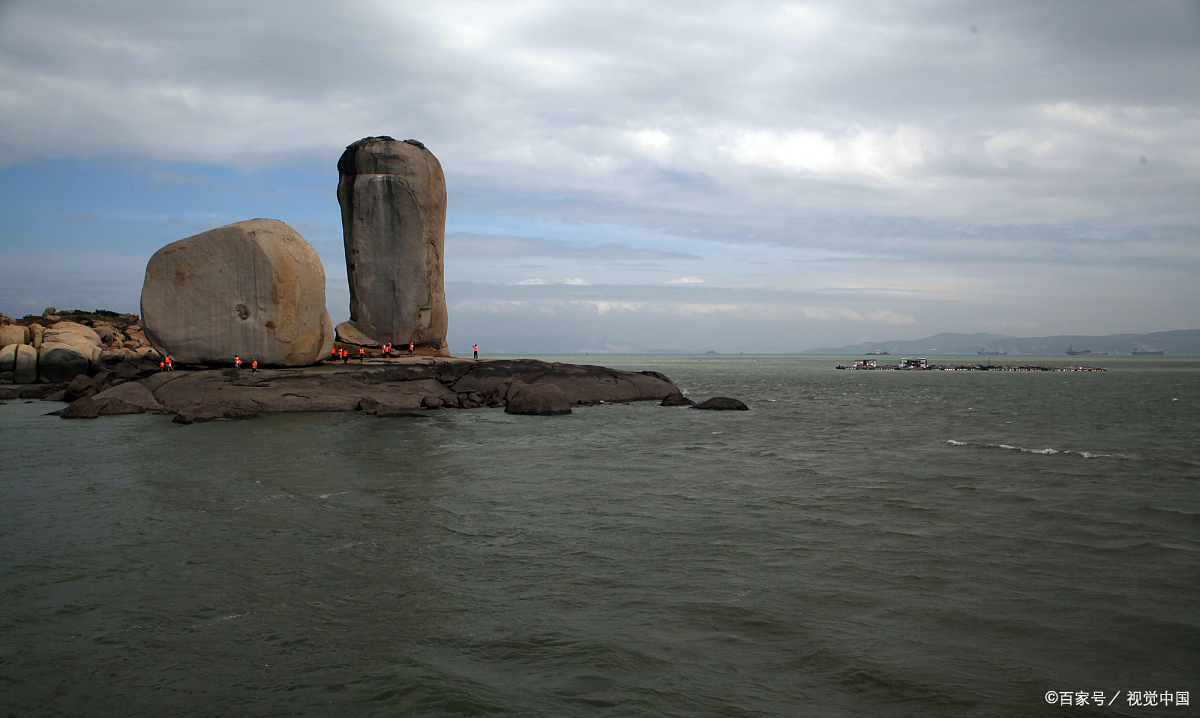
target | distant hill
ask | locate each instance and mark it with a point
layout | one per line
(1178, 343)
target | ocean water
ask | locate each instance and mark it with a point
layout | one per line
(859, 544)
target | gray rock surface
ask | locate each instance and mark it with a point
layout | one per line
(393, 200)
(254, 289)
(61, 362)
(540, 399)
(21, 360)
(132, 393)
(383, 388)
(722, 403)
(677, 400)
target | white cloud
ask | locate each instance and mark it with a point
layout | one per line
(887, 316)
(831, 313)
(686, 280)
(578, 282)
(529, 282)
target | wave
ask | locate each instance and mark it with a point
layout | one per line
(1044, 452)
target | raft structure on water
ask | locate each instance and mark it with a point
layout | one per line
(922, 364)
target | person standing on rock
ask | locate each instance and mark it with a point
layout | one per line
(362, 354)
(476, 350)
(335, 354)
(170, 364)
(254, 367)
(411, 346)
(237, 362)
(345, 357)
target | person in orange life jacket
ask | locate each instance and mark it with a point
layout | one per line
(410, 348)
(170, 364)
(254, 366)
(162, 366)
(476, 350)
(362, 353)
(334, 354)
(237, 362)
(345, 356)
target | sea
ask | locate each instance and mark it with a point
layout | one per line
(859, 543)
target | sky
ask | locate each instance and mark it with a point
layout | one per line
(632, 176)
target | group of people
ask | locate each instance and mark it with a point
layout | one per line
(168, 365)
(237, 364)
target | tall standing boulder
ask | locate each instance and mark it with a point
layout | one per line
(254, 289)
(393, 200)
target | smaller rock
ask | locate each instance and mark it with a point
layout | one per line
(432, 402)
(677, 400)
(211, 412)
(116, 406)
(722, 403)
(33, 391)
(85, 408)
(538, 399)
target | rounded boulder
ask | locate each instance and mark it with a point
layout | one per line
(21, 360)
(254, 289)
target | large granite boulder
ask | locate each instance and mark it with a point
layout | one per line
(59, 362)
(13, 334)
(393, 200)
(21, 360)
(254, 289)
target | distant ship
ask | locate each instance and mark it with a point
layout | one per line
(1072, 351)
(1146, 352)
(877, 353)
(984, 352)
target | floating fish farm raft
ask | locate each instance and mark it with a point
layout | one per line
(923, 365)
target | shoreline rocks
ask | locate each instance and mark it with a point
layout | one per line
(382, 388)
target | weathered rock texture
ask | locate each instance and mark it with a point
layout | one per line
(383, 389)
(541, 399)
(13, 334)
(255, 289)
(21, 360)
(722, 403)
(393, 199)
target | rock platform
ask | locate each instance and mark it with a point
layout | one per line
(383, 387)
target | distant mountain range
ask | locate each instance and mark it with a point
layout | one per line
(1178, 343)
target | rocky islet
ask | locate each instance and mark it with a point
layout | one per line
(256, 290)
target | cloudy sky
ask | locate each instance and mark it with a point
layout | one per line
(634, 176)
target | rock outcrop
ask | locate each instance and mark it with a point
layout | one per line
(21, 360)
(62, 362)
(722, 403)
(13, 334)
(677, 400)
(254, 289)
(542, 399)
(393, 200)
